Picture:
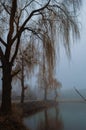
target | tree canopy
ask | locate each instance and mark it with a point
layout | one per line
(44, 23)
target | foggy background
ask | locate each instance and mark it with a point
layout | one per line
(73, 72)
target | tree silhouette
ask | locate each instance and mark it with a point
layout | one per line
(24, 68)
(45, 20)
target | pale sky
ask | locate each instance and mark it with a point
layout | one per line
(73, 73)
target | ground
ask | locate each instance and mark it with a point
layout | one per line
(14, 121)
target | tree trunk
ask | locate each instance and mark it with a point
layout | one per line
(6, 90)
(45, 93)
(22, 96)
(46, 120)
(22, 81)
(22, 92)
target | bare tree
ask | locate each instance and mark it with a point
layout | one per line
(25, 63)
(23, 19)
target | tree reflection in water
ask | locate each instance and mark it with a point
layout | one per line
(50, 122)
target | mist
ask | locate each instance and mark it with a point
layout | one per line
(72, 72)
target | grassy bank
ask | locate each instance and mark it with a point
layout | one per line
(32, 107)
(14, 121)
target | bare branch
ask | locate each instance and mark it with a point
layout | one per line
(3, 42)
(25, 22)
(33, 12)
(33, 31)
(80, 94)
(5, 8)
(15, 73)
(27, 5)
(59, 7)
(1, 54)
(16, 50)
(12, 16)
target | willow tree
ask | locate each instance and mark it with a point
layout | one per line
(45, 20)
(25, 63)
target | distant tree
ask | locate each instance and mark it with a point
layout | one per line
(25, 63)
(55, 85)
(47, 83)
(21, 19)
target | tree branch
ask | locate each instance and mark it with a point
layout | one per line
(33, 31)
(32, 13)
(12, 17)
(1, 54)
(29, 17)
(80, 94)
(3, 4)
(15, 73)
(16, 50)
(27, 5)
(3, 42)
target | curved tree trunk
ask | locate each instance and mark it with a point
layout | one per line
(6, 89)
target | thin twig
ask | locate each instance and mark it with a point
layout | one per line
(80, 94)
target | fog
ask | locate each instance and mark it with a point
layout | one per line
(73, 72)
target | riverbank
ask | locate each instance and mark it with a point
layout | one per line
(31, 107)
(14, 121)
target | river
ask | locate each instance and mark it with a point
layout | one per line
(65, 116)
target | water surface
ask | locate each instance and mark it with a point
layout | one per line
(66, 116)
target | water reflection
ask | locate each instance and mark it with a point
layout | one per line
(46, 120)
(70, 116)
(50, 122)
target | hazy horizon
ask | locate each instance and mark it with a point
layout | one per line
(72, 73)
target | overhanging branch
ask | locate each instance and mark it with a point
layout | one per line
(29, 17)
(33, 31)
(33, 12)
